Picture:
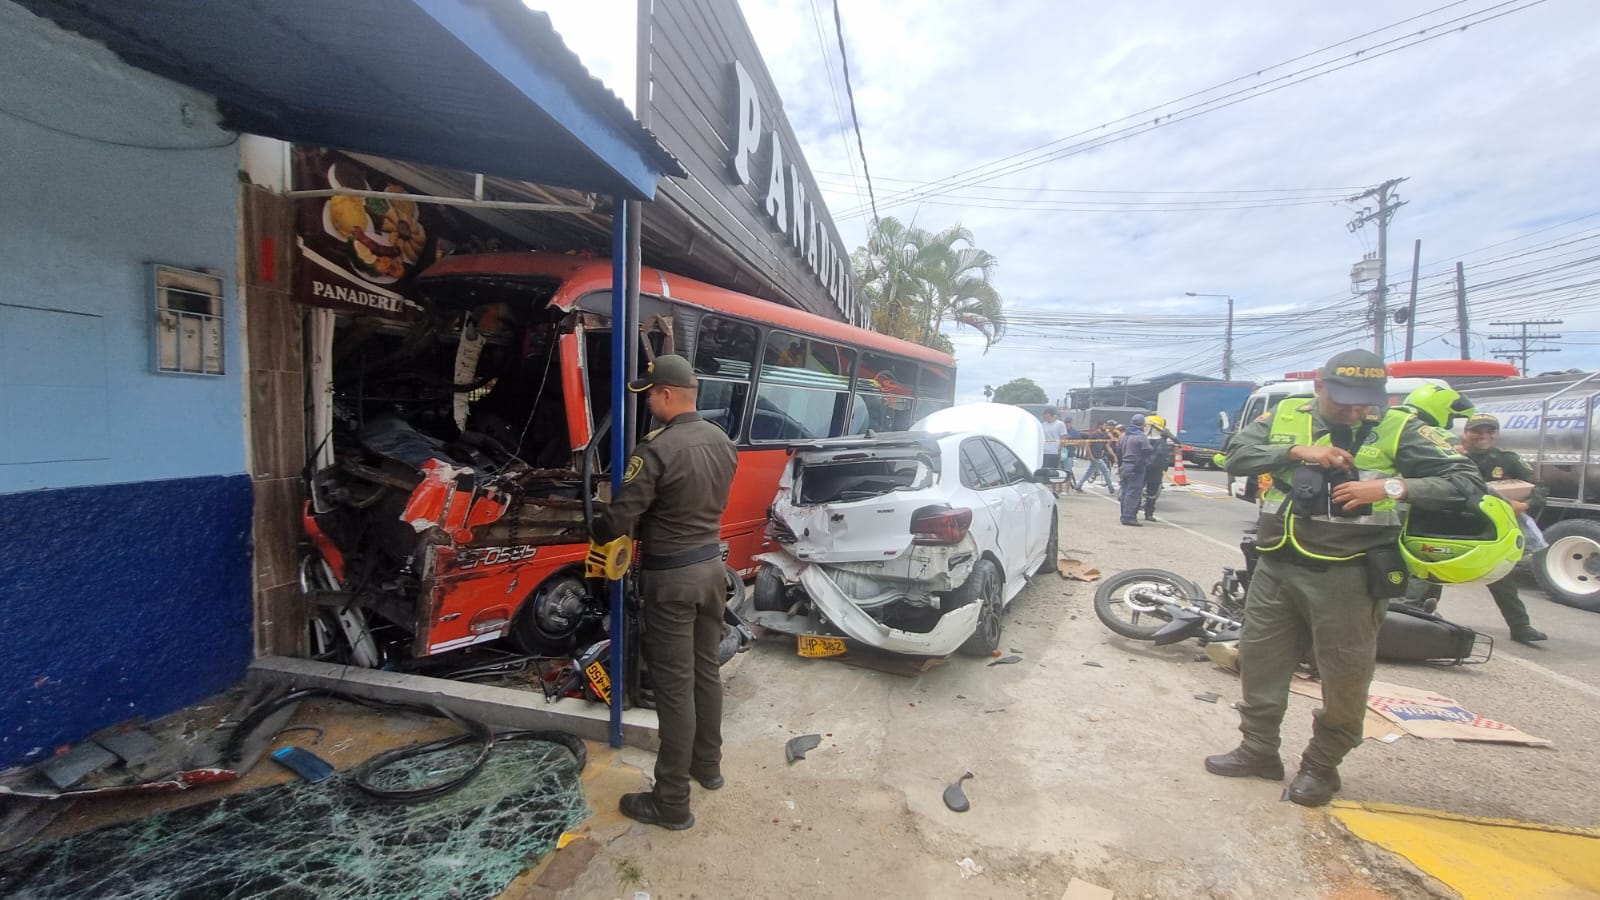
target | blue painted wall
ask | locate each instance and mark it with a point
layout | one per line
(118, 601)
(125, 509)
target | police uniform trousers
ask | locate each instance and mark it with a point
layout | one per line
(1291, 608)
(1132, 478)
(682, 628)
(1506, 597)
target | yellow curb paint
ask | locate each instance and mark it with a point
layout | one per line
(1482, 858)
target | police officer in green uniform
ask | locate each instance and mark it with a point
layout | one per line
(1342, 464)
(675, 489)
(1494, 464)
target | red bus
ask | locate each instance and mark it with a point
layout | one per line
(453, 513)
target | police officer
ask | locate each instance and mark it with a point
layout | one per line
(675, 489)
(1134, 455)
(1329, 557)
(1494, 464)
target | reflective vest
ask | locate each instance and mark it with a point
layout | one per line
(1375, 458)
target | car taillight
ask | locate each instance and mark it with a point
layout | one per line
(940, 525)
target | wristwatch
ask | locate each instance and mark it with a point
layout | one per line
(1394, 488)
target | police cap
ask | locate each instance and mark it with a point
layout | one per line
(1483, 420)
(668, 370)
(1356, 378)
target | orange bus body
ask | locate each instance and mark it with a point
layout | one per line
(472, 594)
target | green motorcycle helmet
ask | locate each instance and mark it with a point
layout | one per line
(1479, 545)
(1438, 405)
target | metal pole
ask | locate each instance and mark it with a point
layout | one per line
(1461, 311)
(1227, 345)
(619, 453)
(1411, 305)
(1379, 320)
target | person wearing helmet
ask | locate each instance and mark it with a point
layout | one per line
(1438, 405)
(1495, 464)
(1134, 454)
(1164, 446)
(1341, 464)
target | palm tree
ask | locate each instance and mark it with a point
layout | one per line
(916, 280)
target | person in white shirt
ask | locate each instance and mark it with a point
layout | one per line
(1055, 431)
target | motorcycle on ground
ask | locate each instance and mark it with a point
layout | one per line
(1164, 607)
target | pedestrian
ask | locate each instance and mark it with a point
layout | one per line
(1328, 536)
(1055, 431)
(1072, 447)
(675, 489)
(1495, 464)
(1097, 447)
(1164, 446)
(1134, 455)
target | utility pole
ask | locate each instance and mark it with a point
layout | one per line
(1461, 312)
(1388, 204)
(1227, 335)
(1523, 351)
(1411, 305)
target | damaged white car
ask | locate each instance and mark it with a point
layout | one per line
(913, 542)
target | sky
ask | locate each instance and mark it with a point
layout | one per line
(1238, 190)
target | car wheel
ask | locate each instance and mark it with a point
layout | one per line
(1052, 547)
(983, 587)
(771, 594)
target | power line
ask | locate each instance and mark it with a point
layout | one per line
(1356, 57)
(1522, 339)
(844, 60)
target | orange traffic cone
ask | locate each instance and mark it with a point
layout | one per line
(1178, 477)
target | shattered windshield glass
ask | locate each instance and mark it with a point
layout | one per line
(862, 479)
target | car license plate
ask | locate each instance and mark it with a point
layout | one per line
(600, 680)
(817, 646)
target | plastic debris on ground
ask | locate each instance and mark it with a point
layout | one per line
(969, 868)
(954, 797)
(1007, 660)
(797, 747)
(1076, 570)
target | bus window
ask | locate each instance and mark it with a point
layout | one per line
(884, 388)
(804, 391)
(724, 354)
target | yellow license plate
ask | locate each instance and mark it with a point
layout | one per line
(816, 646)
(599, 680)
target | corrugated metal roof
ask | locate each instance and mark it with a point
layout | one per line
(478, 85)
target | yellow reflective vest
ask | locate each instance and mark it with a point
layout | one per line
(1323, 537)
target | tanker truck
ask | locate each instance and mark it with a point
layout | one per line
(1551, 420)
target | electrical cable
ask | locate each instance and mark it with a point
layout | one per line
(1354, 58)
(844, 60)
(112, 143)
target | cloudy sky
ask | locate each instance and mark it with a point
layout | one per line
(1238, 189)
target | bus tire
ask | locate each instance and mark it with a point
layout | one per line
(1569, 569)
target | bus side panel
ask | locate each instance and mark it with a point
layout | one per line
(744, 522)
(475, 592)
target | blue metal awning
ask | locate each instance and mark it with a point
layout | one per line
(476, 85)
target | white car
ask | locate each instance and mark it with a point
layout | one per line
(913, 542)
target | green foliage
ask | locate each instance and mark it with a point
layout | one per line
(1020, 390)
(917, 280)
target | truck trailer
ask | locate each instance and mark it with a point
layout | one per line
(1196, 412)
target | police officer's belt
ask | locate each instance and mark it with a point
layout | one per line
(1288, 555)
(681, 558)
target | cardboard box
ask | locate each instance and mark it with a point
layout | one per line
(1512, 489)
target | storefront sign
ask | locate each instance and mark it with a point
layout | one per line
(360, 254)
(706, 94)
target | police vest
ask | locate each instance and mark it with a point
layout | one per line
(1292, 424)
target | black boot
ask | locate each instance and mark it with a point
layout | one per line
(643, 808)
(1242, 762)
(1315, 785)
(1527, 634)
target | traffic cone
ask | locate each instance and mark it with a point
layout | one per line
(1178, 477)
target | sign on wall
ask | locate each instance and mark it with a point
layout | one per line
(708, 97)
(361, 254)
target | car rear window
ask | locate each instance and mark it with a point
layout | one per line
(842, 482)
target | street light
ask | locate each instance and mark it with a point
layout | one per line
(1227, 337)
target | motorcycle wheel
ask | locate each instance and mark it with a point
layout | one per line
(1118, 606)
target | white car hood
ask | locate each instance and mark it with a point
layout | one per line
(1010, 425)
